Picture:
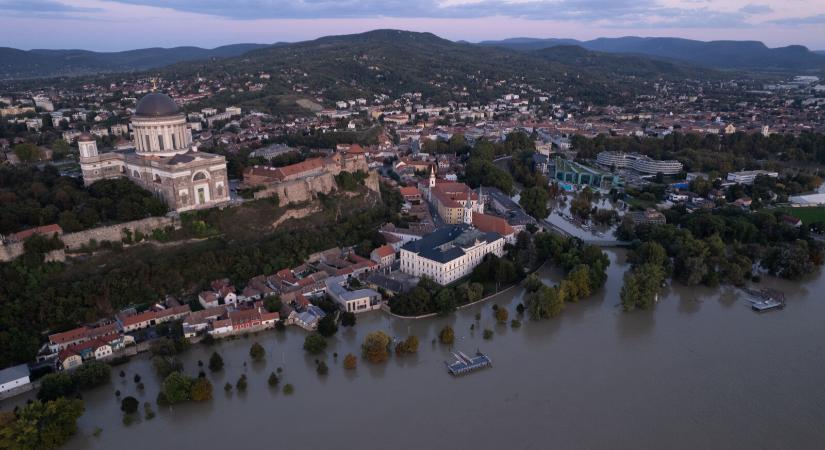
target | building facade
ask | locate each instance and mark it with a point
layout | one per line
(449, 253)
(639, 163)
(163, 159)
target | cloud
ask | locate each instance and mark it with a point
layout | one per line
(611, 13)
(33, 7)
(793, 21)
(755, 9)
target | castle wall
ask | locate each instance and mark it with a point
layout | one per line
(114, 233)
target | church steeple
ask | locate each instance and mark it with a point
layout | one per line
(468, 208)
(432, 177)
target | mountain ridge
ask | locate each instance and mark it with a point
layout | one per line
(721, 54)
(40, 63)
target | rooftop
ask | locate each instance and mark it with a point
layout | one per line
(448, 243)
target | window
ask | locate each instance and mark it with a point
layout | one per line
(199, 176)
(160, 142)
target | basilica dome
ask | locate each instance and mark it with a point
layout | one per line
(156, 105)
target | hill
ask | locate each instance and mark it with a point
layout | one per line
(749, 55)
(16, 64)
(393, 63)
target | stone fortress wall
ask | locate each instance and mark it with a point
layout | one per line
(112, 233)
(307, 188)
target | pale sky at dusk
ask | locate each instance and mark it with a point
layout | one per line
(109, 25)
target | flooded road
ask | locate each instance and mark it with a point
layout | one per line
(700, 371)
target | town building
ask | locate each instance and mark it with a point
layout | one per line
(749, 176)
(568, 171)
(384, 256)
(648, 217)
(639, 163)
(164, 161)
(449, 253)
(455, 202)
(355, 301)
(14, 378)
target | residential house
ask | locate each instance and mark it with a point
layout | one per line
(384, 256)
(69, 359)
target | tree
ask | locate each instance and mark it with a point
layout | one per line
(641, 286)
(201, 390)
(257, 352)
(215, 362)
(42, 425)
(534, 201)
(273, 380)
(446, 335)
(27, 153)
(314, 343)
(488, 333)
(289, 389)
(376, 347)
(56, 385)
(445, 301)
(321, 368)
(348, 319)
(273, 303)
(545, 303)
(350, 361)
(407, 346)
(240, 385)
(502, 315)
(177, 388)
(129, 405)
(327, 326)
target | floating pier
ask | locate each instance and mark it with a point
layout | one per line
(464, 364)
(766, 299)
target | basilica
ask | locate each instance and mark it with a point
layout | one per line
(163, 159)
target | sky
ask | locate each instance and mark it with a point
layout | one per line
(112, 25)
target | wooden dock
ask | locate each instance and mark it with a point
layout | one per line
(464, 364)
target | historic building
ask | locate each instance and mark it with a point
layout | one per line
(455, 202)
(449, 253)
(163, 159)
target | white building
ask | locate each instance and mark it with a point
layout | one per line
(449, 253)
(639, 163)
(749, 176)
(164, 161)
(14, 377)
(357, 301)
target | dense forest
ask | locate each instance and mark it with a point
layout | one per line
(37, 297)
(30, 196)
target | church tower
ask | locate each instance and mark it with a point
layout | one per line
(431, 186)
(468, 208)
(87, 145)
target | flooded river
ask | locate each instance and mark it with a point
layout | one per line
(700, 371)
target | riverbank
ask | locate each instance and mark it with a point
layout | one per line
(623, 371)
(385, 307)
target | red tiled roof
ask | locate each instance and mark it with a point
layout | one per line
(65, 353)
(488, 223)
(303, 166)
(409, 191)
(384, 251)
(46, 230)
(69, 336)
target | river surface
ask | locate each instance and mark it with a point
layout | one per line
(699, 371)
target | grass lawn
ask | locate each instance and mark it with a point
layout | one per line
(808, 215)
